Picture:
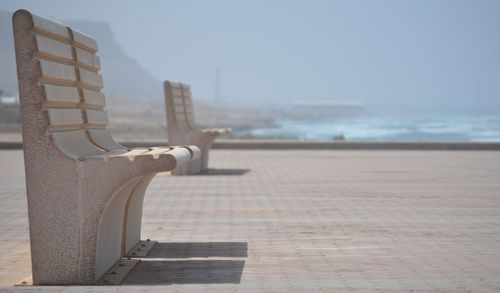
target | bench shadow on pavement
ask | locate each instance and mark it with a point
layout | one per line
(171, 263)
(224, 172)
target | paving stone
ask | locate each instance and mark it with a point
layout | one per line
(298, 220)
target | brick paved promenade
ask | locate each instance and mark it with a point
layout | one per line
(302, 221)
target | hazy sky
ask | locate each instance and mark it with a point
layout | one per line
(426, 53)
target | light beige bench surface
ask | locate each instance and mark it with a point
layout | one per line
(182, 129)
(84, 190)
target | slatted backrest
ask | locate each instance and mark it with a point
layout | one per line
(179, 104)
(69, 74)
(188, 104)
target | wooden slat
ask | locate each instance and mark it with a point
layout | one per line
(93, 126)
(57, 70)
(63, 105)
(75, 144)
(84, 41)
(61, 93)
(53, 58)
(133, 153)
(68, 105)
(179, 109)
(94, 97)
(69, 127)
(53, 47)
(180, 117)
(87, 58)
(176, 92)
(188, 107)
(91, 78)
(69, 83)
(50, 26)
(65, 116)
(174, 85)
(103, 138)
(91, 106)
(97, 117)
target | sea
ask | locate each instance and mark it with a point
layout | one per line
(383, 128)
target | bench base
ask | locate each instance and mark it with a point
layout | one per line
(114, 276)
(141, 249)
(118, 272)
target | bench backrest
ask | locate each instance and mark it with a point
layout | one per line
(179, 105)
(62, 76)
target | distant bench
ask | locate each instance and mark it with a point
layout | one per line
(85, 191)
(182, 129)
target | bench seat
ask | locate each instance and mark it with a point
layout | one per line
(180, 155)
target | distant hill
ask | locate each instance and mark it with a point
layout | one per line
(123, 76)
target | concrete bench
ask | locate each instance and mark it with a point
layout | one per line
(182, 129)
(85, 191)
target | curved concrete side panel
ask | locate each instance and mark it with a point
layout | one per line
(109, 237)
(204, 155)
(133, 217)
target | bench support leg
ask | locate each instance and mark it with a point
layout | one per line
(204, 157)
(133, 214)
(110, 234)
